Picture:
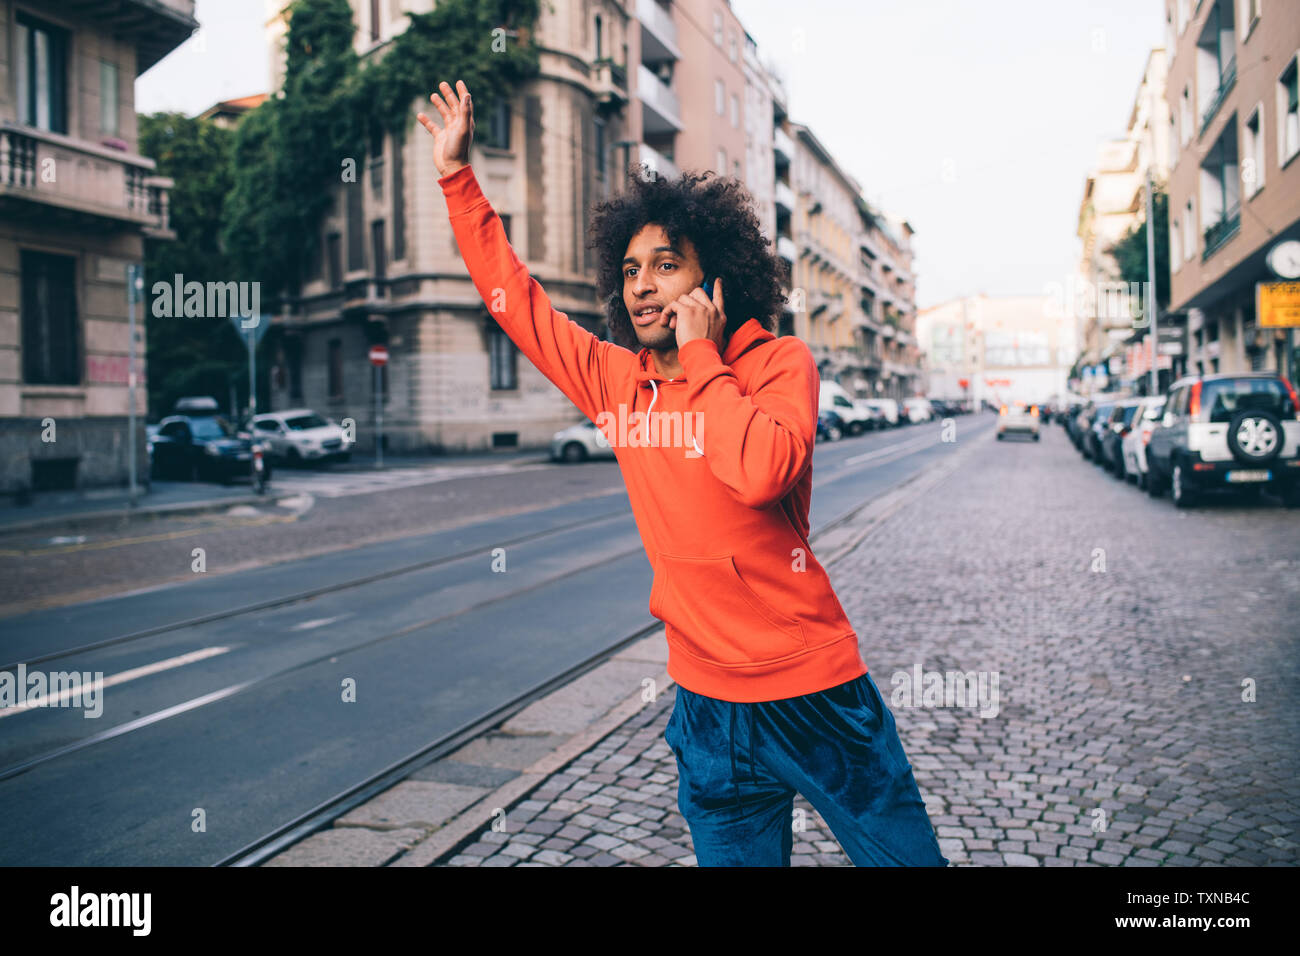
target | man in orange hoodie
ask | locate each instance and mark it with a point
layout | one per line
(713, 420)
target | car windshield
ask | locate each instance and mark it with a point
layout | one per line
(209, 429)
(1225, 397)
(300, 422)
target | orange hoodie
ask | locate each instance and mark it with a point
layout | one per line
(719, 475)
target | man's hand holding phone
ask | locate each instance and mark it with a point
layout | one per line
(451, 143)
(696, 316)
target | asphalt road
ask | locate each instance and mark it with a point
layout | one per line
(237, 718)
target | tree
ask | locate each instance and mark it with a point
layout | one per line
(1130, 250)
(189, 356)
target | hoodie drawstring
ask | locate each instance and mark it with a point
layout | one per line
(655, 389)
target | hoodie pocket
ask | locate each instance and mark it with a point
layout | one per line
(716, 616)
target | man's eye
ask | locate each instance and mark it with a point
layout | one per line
(673, 264)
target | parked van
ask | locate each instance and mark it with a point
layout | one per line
(918, 410)
(886, 405)
(834, 398)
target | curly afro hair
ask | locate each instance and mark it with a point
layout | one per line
(716, 214)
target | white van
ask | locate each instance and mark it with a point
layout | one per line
(918, 410)
(886, 405)
(834, 398)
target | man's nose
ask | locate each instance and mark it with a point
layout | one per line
(642, 283)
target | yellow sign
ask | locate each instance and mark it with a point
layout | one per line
(1277, 304)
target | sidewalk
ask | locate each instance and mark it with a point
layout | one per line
(1120, 738)
(56, 508)
(581, 777)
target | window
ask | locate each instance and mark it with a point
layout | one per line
(334, 258)
(1185, 114)
(1252, 167)
(374, 20)
(41, 72)
(1288, 112)
(722, 162)
(108, 98)
(355, 227)
(502, 358)
(49, 319)
(600, 148)
(1184, 14)
(735, 111)
(1189, 230)
(599, 30)
(1249, 14)
(376, 160)
(717, 27)
(735, 168)
(336, 369)
(1220, 191)
(1175, 244)
(378, 254)
(399, 200)
(1173, 139)
(733, 53)
(720, 97)
(498, 131)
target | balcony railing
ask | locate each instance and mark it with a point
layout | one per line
(87, 180)
(1223, 230)
(657, 22)
(660, 100)
(1227, 79)
(610, 82)
(658, 162)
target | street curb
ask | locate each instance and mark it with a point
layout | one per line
(445, 839)
(103, 515)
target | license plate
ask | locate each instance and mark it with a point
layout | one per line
(1249, 475)
(244, 456)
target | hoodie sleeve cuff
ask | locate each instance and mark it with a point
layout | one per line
(461, 190)
(699, 353)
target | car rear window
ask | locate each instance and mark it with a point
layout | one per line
(1225, 397)
(1128, 413)
(300, 422)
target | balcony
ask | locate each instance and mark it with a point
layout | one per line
(46, 176)
(609, 82)
(786, 249)
(658, 32)
(661, 111)
(1223, 230)
(1227, 79)
(660, 164)
(153, 27)
(782, 146)
(784, 198)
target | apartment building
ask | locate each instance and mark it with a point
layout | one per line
(76, 203)
(1234, 190)
(996, 349)
(1114, 201)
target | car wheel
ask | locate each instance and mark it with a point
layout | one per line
(1035, 436)
(1141, 480)
(1178, 491)
(294, 458)
(1154, 482)
(999, 436)
(574, 451)
(1255, 436)
(834, 433)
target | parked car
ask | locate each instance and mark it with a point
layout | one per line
(857, 417)
(300, 435)
(830, 427)
(1096, 423)
(580, 442)
(918, 410)
(1119, 424)
(202, 446)
(887, 407)
(1226, 431)
(1018, 417)
(1134, 445)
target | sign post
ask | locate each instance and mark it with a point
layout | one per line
(250, 332)
(379, 358)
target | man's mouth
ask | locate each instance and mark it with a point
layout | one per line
(647, 314)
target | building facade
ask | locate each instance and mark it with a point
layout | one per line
(76, 203)
(1234, 191)
(996, 349)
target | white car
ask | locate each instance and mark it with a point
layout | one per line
(855, 416)
(1018, 417)
(300, 435)
(886, 405)
(1134, 444)
(580, 442)
(917, 410)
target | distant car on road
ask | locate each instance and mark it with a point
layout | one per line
(202, 447)
(1227, 431)
(300, 435)
(830, 427)
(580, 442)
(1018, 417)
(917, 410)
(888, 407)
(857, 417)
(1098, 420)
(1117, 427)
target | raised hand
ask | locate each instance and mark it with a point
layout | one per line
(451, 143)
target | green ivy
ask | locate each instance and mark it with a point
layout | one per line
(291, 150)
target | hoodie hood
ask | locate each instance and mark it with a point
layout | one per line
(748, 336)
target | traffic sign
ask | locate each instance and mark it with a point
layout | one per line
(1277, 304)
(252, 328)
(378, 355)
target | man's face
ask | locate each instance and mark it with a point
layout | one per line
(656, 273)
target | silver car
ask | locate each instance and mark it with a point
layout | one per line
(1134, 443)
(300, 435)
(580, 442)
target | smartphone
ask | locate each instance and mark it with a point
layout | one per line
(707, 286)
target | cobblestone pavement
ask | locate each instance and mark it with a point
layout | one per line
(1124, 635)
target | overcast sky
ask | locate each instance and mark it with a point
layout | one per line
(976, 120)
